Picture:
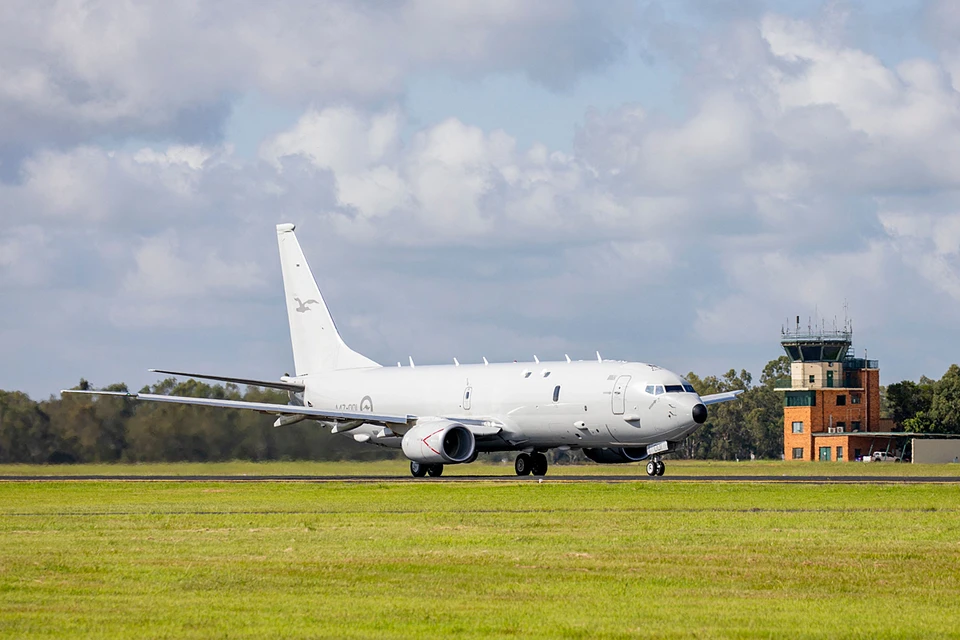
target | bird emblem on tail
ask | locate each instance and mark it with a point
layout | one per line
(303, 308)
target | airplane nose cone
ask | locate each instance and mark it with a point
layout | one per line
(699, 414)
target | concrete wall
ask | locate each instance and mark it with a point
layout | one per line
(935, 450)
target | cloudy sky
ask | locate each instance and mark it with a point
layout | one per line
(663, 180)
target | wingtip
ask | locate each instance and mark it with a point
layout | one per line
(286, 227)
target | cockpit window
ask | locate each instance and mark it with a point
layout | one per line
(688, 388)
(674, 388)
(649, 389)
(659, 389)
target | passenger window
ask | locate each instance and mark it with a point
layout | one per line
(556, 393)
(649, 389)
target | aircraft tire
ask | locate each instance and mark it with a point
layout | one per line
(661, 468)
(538, 464)
(417, 470)
(522, 465)
(435, 470)
(652, 468)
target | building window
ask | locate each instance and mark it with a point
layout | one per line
(798, 427)
(812, 379)
(824, 454)
(839, 454)
(854, 398)
(798, 453)
(800, 398)
(856, 454)
(855, 425)
(841, 401)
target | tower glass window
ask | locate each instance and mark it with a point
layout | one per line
(800, 399)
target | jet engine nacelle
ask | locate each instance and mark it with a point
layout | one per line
(439, 441)
(618, 455)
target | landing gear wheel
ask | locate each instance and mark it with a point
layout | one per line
(538, 464)
(417, 469)
(652, 468)
(522, 465)
(435, 470)
(661, 468)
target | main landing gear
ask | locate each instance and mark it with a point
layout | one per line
(535, 463)
(418, 470)
(656, 467)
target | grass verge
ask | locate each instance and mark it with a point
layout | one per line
(261, 560)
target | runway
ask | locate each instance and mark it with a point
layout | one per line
(494, 479)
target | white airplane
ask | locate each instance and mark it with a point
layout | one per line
(614, 411)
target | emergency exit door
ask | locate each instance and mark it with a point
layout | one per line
(619, 394)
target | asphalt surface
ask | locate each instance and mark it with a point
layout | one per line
(494, 479)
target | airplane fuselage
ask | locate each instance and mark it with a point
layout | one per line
(537, 405)
(614, 411)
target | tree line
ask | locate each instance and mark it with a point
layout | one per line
(80, 428)
(928, 406)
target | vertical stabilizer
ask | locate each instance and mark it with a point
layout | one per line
(317, 345)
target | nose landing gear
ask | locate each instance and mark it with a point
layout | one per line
(656, 467)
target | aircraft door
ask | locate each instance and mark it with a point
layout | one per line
(466, 398)
(619, 394)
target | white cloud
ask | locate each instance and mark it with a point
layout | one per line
(25, 256)
(803, 172)
(71, 69)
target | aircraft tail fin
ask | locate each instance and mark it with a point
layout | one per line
(317, 345)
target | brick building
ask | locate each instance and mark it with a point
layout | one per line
(832, 404)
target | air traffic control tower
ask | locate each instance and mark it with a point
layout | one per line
(832, 403)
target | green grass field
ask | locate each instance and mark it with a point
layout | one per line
(400, 468)
(516, 560)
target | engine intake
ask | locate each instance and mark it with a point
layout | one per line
(618, 455)
(439, 441)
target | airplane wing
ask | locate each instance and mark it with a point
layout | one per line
(480, 427)
(720, 397)
(270, 384)
(262, 407)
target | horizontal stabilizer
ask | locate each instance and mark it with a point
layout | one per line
(269, 384)
(262, 407)
(721, 397)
